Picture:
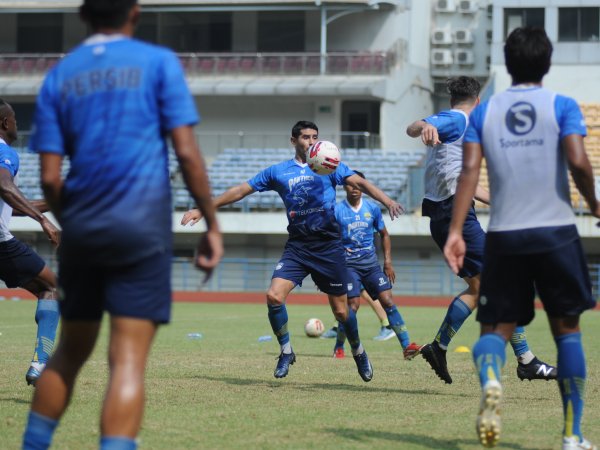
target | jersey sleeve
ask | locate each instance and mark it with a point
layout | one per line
(569, 117)
(450, 125)
(176, 104)
(341, 173)
(473, 133)
(9, 159)
(378, 222)
(47, 135)
(262, 181)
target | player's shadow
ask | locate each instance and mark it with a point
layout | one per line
(422, 440)
(289, 384)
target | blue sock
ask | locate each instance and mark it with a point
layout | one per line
(397, 324)
(489, 355)
(518, 341)
(457, 313)
(278, 317)
(46, 317)
(351, 328)
(117, 443)
(571, 380)
(341, 336)
(38, 432)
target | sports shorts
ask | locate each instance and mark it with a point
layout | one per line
(372, 279)
(509, 283)
(19, 264)
(325, 261)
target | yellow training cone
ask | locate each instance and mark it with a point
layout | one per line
(462, 349)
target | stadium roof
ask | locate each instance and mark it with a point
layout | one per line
(189, 5)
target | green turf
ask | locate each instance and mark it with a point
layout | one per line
(219, 392)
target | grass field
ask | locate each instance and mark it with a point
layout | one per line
(219, 392)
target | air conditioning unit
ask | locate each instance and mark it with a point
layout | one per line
(463, 36)
(445, 6)
(465, 57)
(441, 37)
(441, 57)
(468, 6)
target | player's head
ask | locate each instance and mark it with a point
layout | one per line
(527, 54)
(463, 90)
(304, 134)
(109, 14)
(352, 193)
(8, 122)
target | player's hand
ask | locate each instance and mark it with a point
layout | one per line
(395, 210)
(191, 217)
(454, 251)
(51, 231)
(210, 252)
(389, 271)
(429, 135)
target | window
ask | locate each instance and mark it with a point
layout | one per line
(39, 33)
(281, 32)
(522, 17)
(196, 32)
(578, 24)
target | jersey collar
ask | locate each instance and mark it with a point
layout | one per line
(299, 163)
(352, 207)
(100, 38)
(2, 141)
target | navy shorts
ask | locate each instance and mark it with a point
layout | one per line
(19, 264)
(325, 261)
(372, 279)
(474, 237)
(139, 290)
(509, 283)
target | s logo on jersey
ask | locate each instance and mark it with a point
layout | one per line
(520, 118)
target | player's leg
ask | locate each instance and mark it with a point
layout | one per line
(347, 317)
(43, 286)
(55, 385)
(340, 340)
(385, 331)
(394, 317)
(130, 342)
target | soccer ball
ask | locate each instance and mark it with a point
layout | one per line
(323, 157)
(314, 327)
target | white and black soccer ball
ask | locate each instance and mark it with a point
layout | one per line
(323, 157)
(314, 327)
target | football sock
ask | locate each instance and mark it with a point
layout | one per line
(458, 311)
(385, 322)
(351, 329)
(518, 341)
(117, 443)
(341, 336)
(278, 317)
(489, 355)
(38, 432)
(46, 317)
(571, 380)
(397, 324)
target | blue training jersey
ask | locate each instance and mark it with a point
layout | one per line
(9, 160)
(358, 226)
(308, 198)
(109, 106)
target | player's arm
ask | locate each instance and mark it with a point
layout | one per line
(581, 170)
(428, 132)
(357, 182)
(455, 249)
(41, 205)
(386, 245)
(482, 194)
(210, 248)
(231, 195)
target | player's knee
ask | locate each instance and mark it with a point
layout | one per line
(48, 294)
(275, 299)
(341, 314)
(386, 301)
(354, 304)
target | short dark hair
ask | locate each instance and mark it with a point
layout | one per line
(527, 54)
(106, 13)
(5, 109)
(360, 174)
(301, 125)
(462, 89)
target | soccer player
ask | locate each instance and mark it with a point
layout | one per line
(443, 133)
(530, 136)
(20, 266)
(359, 219)
(109, 106)
(314, 245)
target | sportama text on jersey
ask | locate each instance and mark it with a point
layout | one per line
(309, 198)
